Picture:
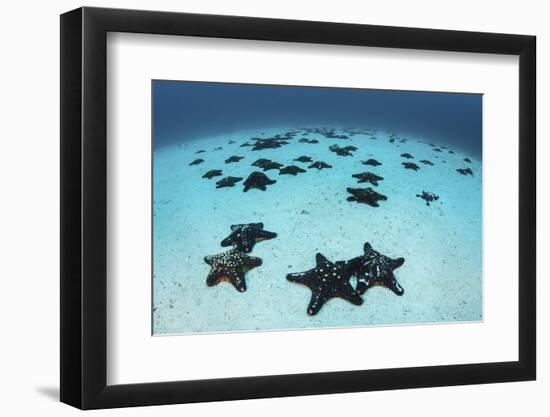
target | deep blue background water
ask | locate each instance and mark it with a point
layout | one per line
(189, 110)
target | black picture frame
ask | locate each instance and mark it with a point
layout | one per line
(84, 207)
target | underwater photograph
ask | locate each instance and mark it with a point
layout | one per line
(281, 207)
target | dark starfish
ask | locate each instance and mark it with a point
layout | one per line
(426, 162)
(368, 177)
(244, 236)
(260, 162)
(213, 173)
(407, 155)
(230, 266)
(304, 159)
(291, 170)
(465, 171)
(372, 162)
(373, 268)
(233, 159)
(428, 197)
(320, 165)
(228, 182)
(350, 148)
(327, 280)
(197, 162)
(270, 143)
(347, 151)
(257, 180)
(451, 151)
(200, 151)
(467, 160)
(410, 165)
(365, 195)
(271, 165)
(437, 149)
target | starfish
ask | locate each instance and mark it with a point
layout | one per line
(426, 162)
(451, 151)
(410, 165)
(257, 180)
(368, 177)
(291, 170)
(233, 159)
(270, 143)
(305, 140)
(467, 160)
(200, 151)
(372, 162)
(197, 161)
(260, 162)
(304, 159)
(228, 182)
(365, 195)
(347, 151)
(244, 236)
(271, 165)
(230, 266)
(428, 197)
(407, 155)
(437, 149)
(465, 171)
(213, 173)
(320, 165)
(327, 280)
(373, 268)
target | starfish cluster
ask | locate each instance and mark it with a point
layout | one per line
(233, 265)
(332, 279)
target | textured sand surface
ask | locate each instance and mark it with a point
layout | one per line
(441, 244)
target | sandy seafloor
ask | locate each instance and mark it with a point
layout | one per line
(441, 243)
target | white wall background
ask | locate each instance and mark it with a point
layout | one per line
(29, 173)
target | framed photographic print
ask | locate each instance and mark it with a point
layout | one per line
(258, 207)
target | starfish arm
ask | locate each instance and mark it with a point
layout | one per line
(213, 278)
(264, 235)
(251, 262)
(396, 287)
(349, 294)
(317, 301)
(228, 241)
(397, 262)
(209, 259)
(240, 226)
(238, 282)
(320, 260)
(299, 277)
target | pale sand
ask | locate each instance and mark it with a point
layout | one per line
(441, 244)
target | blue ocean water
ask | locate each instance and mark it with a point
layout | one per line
(189, 110)
(198, 127)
